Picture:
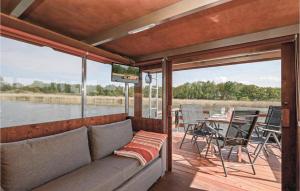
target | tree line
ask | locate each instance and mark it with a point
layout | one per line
(196, 90)
(225, 91)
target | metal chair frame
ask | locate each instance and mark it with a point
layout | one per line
(271, 128)
(194, 126)
(238, 139)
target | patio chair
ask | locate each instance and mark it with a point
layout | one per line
(272, 128)
(257, 128)
(194, 123)
(238, 133)
(178, 120)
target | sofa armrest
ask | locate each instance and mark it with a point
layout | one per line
(163, 155)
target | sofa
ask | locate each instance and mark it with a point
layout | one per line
(78, 160)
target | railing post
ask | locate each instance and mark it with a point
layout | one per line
(83, 87)
(126, 98)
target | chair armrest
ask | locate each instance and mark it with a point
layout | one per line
(190, 123)
(201, 120)
(270, 130)
(235, 138)
(260, 124)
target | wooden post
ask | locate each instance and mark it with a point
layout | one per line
(297, 72)
(167, 106)
(138, 97)
(289, 118)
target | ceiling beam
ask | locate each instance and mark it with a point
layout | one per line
(21, 8)
(231, 41)
(174, 11)
(230, 60)
(220, 61)
(21, 30)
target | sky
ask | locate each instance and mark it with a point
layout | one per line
(264, 74)
(25, 63)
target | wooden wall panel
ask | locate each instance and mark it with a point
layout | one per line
(18, 133)
(100, 120)
(138, 97)
(298, 110)
(289, 124)
(146, 124)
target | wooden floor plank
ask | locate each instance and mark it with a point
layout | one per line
(193, 172)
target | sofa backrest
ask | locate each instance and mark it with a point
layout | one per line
(104, 139)
(30, 163)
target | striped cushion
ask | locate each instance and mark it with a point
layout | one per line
(144, 146)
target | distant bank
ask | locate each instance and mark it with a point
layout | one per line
(117, 101)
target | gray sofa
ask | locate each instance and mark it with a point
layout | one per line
(78, 160)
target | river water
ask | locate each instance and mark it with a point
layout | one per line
(13, 113)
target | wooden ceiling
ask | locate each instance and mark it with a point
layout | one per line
(82, 20)
(231, 19)
(8, 5)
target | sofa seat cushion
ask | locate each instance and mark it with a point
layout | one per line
(31, 163)
(105, 139)
(103, 175)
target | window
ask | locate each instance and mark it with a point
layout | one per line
(103, 96)
(152, 105)
(38, 84)
(218, 90)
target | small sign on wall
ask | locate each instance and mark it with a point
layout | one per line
(285, 118)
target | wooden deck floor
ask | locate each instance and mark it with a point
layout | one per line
(192, 172)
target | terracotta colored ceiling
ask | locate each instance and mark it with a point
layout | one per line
(81, 19)
(231, 19)
(8, 5)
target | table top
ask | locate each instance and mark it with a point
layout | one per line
(218, 119)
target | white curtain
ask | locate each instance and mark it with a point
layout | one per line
(297, 70)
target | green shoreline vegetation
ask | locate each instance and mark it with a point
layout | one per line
(197, 90)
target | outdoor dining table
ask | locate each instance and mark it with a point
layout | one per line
(215, 121)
